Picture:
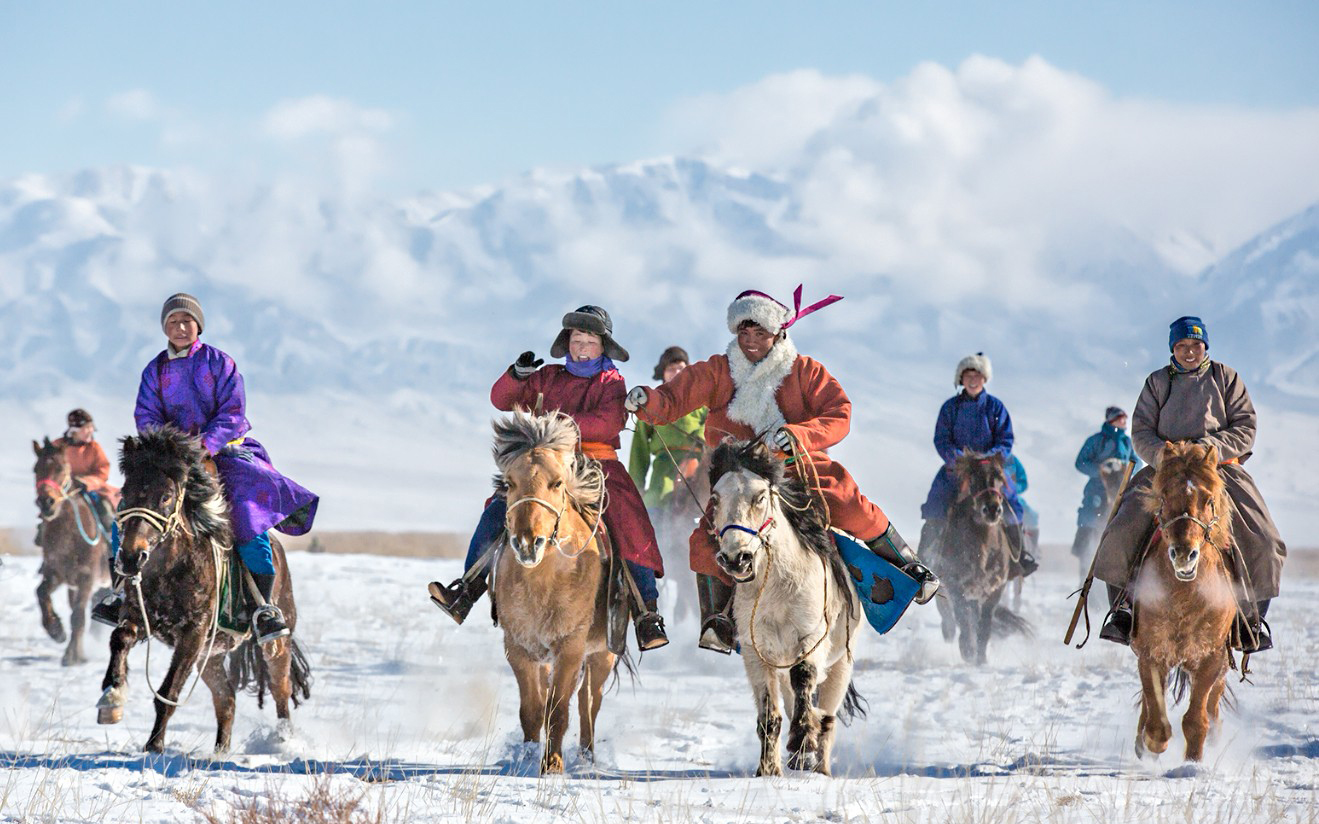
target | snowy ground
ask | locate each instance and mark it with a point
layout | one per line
(419, 716)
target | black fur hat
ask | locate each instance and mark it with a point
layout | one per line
(591, 319)
(674, 354)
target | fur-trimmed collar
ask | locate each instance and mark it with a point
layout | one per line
(754, 385)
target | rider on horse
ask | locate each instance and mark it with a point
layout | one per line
(971, 421)
(198, 389)
(1111, 442)
(588, 388)
(761, 388)
(666, 451)
(88, 467)
(1195, 399)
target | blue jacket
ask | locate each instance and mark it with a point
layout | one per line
(1108, 442)
(967, 424)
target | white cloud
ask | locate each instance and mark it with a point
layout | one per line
(72, 109)
(135, 104)
(323, 115)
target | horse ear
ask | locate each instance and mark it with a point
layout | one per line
(46, 442)
(36, 449)
(1211, 453)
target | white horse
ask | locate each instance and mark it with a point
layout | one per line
(796, 612)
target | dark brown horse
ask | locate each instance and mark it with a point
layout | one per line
(174, 540)
(975, 558)
(74, 547)
(551, 579)
(1184, 597)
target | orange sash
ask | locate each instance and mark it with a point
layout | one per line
(599, 451)
(1229, 461)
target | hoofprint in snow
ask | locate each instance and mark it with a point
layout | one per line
(420, 716)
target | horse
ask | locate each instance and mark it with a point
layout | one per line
(974, 558)
(551, 581)
(793, 603)
(74, 547)
(175, 540)
(1184, 597)
(1112, 472)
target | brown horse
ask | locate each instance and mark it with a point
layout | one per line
(551, 583)
(974, 559)
(1184, 598)
(1112, 473)
(73, 548)
(174, 541)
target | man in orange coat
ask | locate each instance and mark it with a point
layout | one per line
(761, 388)
(88, 466)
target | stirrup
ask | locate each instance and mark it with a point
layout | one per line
(269, 615)
(454, 600)
(921, 574)
(650, 633)
(1261, 635)
(108, 610)
(718, 634)
(1117, 627)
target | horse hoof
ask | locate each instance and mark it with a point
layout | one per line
(109, 715)
(768, 771)
(57, 633)
(552, 765)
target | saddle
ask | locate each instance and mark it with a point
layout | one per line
(237, 602)
(885, 590)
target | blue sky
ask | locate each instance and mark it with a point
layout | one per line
(478, 92)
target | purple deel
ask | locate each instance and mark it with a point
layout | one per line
(203, 395)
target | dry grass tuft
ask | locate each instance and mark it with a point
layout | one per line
(323, 804)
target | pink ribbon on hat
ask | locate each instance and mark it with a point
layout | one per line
(798, 312)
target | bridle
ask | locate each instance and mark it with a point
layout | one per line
(164, 524)
(760, 532)
(1187, 516)
(558, 512)
(64, 488)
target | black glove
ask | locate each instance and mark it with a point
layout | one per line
(242, 453)
(526, 364)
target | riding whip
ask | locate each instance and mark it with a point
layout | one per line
(1090, 575)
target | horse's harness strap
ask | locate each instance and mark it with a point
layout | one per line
(756, 533)
(1187, 516)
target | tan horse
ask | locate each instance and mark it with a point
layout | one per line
(74, 548)
(1184, 598)
(550, 585)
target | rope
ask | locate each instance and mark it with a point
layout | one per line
(755, 606)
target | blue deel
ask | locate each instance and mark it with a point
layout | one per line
(885, 590)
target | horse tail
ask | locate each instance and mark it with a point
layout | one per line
(248, 671)
(854, 705)
(1010, 623)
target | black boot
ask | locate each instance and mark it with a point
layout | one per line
(892, 548)
(267, 621)
(1025, 558)
(650, 628)
(718, 632)
(1251, 633)
(1118, 623)
(457, 598)
(108, 610)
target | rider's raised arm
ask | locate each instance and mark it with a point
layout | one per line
(509, 393)
(829, 405)
(708, 383)
(1145, 418)
(1236, 438)
(229, 422)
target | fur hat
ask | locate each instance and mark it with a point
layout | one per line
(674, 354)
(182, 302)
(79, 418)
(1114, 412)
(591, 319)
(979, 362)
(768, 313)
(1187, 326)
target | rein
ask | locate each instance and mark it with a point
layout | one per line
(66, 493)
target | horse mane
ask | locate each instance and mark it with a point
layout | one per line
(170, 452)
(966, 463)
(1184, 462)
(804, 511)
(521, 432)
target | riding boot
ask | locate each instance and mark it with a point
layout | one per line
(1025, 562)
(109, 609)
(718, 632)
(1118, 622)
(267, 620)
(892, 548)
(650, 628)
(457, 598)
(1251, 633)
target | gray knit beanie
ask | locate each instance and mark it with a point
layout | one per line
(183, 302)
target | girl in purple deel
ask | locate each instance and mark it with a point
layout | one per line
(198, 389)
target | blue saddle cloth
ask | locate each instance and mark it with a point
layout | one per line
(885, 590)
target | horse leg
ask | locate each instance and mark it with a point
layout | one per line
(1211, 705)
(279, 661)
(49, 620)
(985, 623)
(565, 672)
(967, 619)
(595, 673)
(1016, 593)
(80, 592)
(1206, 685)
(833, 691)
(185, 657)
(1154, 729)
(804, 726)
(531, 690)
(769, 720)
(110, 709)
(222, 696)
(947, 620)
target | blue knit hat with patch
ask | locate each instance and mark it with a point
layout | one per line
(1187, 326)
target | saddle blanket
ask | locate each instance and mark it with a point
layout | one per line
(885, 590)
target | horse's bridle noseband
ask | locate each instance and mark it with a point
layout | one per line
(558, 512)
(759, 532)
(1187, 516)
(64, 489)
(164, 524)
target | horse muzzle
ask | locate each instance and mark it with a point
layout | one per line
(528, 551)
(46, 506)
(739, 565)
(1184, 564)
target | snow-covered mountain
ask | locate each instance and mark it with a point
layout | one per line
(369, 330)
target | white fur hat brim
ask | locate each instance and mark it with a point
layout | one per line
(764, 311)
(979, 362)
